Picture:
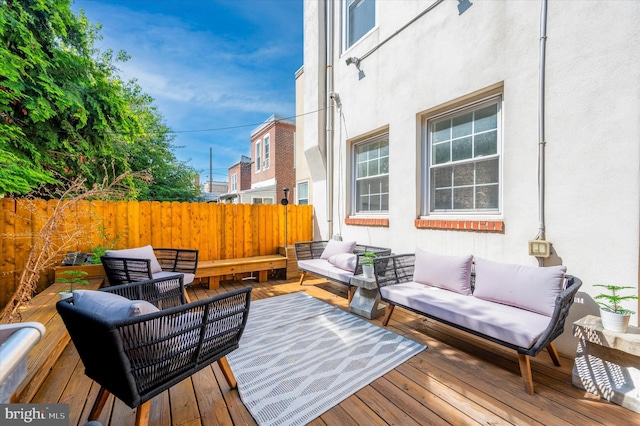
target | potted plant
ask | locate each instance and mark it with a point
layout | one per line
(614, 316)
(73, 278)
(367, 263)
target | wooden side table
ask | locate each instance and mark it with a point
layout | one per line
(366, 300)
(607, 363)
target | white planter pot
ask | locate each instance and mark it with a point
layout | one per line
(367, 271)
(65, 295)
(614, 322)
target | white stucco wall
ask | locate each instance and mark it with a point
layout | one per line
(592, 127)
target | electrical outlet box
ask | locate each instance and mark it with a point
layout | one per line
(539, 248)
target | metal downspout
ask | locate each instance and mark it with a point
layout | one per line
(329, 114)
(541, 125)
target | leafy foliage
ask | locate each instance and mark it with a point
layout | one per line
(65, 109)
(613, 299)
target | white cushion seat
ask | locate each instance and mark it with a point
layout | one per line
(503, 322)
(324, 268)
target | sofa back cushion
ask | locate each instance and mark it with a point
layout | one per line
(145, 252)
(346, 261)
(532, 288)
(337, 247)
(447, 272)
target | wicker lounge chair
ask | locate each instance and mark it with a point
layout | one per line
(144, 263)
(151, 340)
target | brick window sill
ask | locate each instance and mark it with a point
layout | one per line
(462, 225)
(361, 221)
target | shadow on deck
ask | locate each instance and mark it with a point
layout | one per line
(459, 379)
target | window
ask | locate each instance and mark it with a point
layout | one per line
(359, 18)
(303, 193)
(371, 167)
(258, 157)
(234, 182)
(264, 200)
(267, 146)
(463, 151)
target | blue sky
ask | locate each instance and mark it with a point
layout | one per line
(209, 64)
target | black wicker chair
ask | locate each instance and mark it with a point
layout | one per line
(139, 357)
(125, 268)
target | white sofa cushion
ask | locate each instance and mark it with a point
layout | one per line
(145, 252)
(187, 278)
(532, 288)
(346, 261)
(448, 272)
(507, 323)
(111, 305)
(324, 268)
(337, 247)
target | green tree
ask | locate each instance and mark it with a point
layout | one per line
(65, 110)
(172, 180)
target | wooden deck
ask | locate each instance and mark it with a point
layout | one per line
(458, 380)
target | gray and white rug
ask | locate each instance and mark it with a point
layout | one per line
(300, 356)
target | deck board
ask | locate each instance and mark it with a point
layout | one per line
(459, 379)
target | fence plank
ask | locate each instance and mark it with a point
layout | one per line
(133, 223)
(7, 249)
(144, 218)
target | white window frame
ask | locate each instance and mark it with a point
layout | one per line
(347, 5)
(258, 156)
(298, 199)
(234, 182)
(428, 166)
(261, 200)
(355, 179)
(267, 152)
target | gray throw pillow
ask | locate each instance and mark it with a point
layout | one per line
(111, 305)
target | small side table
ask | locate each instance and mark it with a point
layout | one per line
(608, 363)
(366, 300)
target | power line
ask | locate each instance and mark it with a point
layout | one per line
(172, 132)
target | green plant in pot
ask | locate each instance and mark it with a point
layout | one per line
(75, 278)
(614, 316)
(367, 263)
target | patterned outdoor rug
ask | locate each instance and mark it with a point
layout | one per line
(300, 356)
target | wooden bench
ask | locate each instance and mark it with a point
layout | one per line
(214, 269)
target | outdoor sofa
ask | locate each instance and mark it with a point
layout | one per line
(521, 307)
(334, 260)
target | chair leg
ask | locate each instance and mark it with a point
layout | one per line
(553, 353)
(186, 296)
(142, 414)
(304, 273)
(98, 405)
(387, 314)
(226, 371)
(525, 372)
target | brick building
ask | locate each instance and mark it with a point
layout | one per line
(262, 179)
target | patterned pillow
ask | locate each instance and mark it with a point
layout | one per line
(447, 272)
(110, 305)
(532, 288)
(145, 252)
(337, 247)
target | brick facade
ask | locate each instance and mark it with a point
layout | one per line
(243, 171)
(281, 157)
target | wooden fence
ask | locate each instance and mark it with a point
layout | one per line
(218, 231)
